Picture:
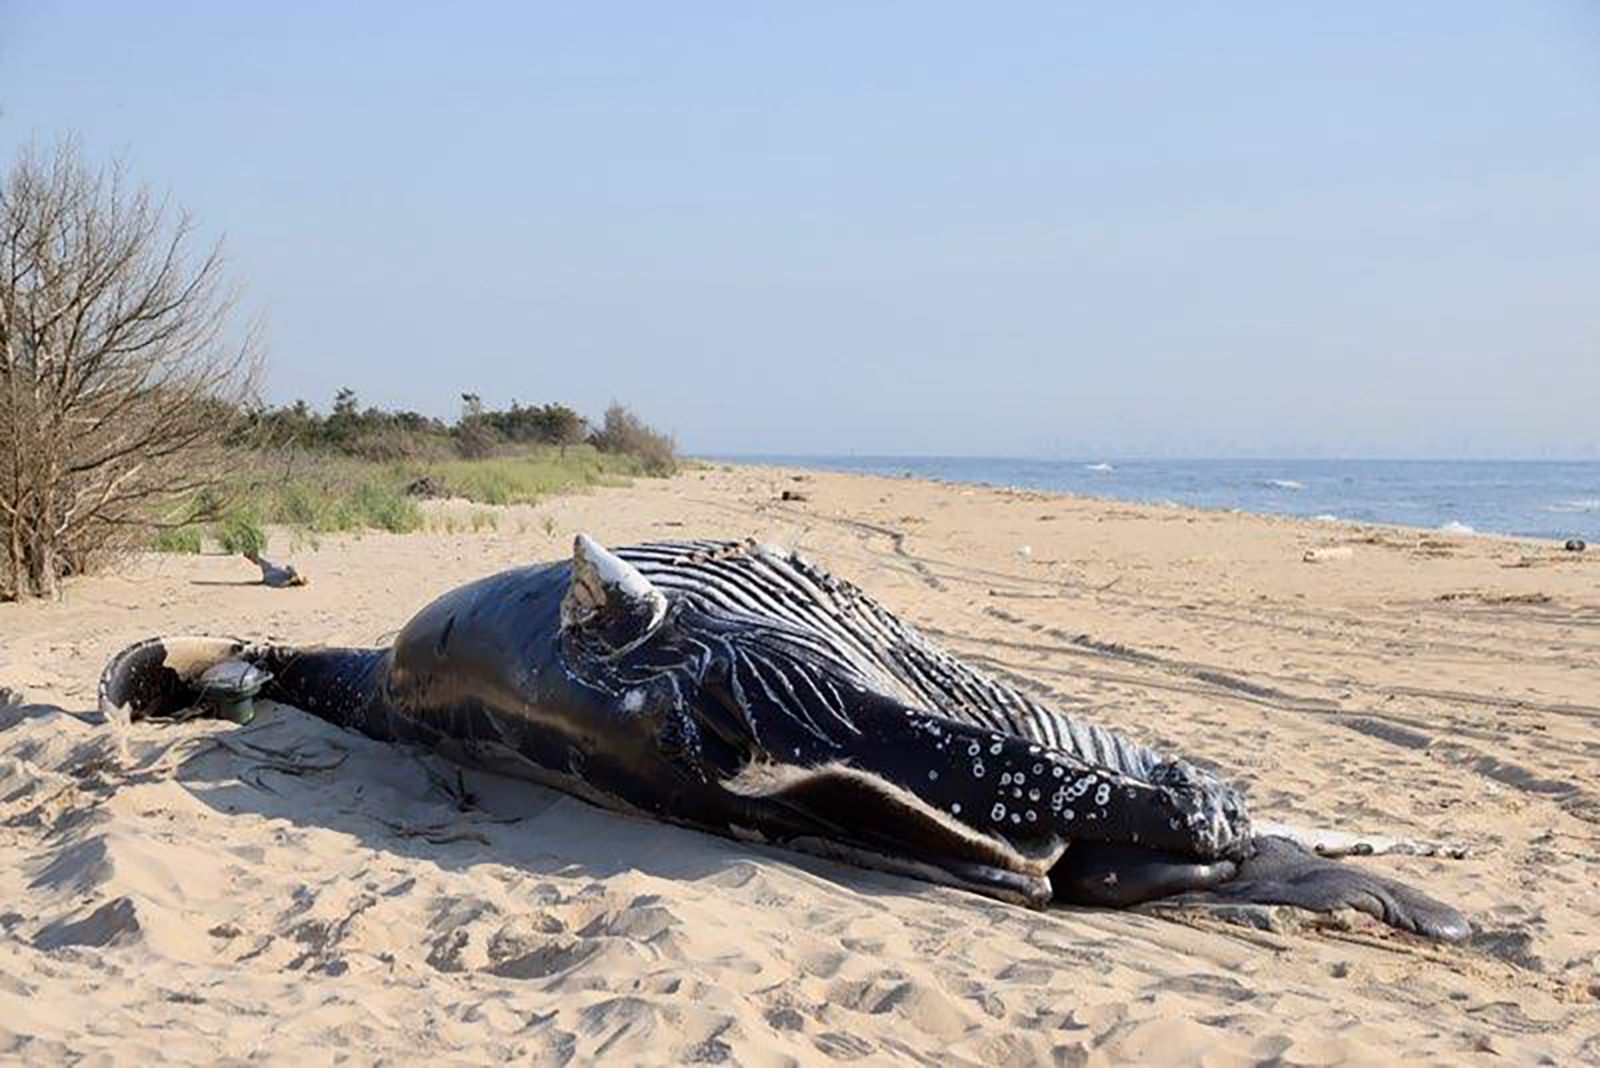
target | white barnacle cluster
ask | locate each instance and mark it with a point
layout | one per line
(1069, 792)
(1015, 785)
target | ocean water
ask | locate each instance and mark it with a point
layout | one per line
(1551, 499)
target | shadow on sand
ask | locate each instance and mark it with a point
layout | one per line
(293, 767)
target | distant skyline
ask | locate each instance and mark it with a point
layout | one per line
(1160, 229)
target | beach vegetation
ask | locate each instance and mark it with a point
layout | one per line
(314, 494)
(130, 415)
(124, 373)
(240, 533)
(187, 540)
(624, 433)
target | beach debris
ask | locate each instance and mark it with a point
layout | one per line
(278, 576)
(1575, 545)
(1025, 551)
(791, 495)
(1335, 552)
(298, 758)
(1495, 598)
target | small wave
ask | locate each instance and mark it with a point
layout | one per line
(1456, 527)
(1585, 504)
(1283, 483)
(1098, 467)
(1327, 517)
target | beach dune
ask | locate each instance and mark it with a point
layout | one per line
(291, 891)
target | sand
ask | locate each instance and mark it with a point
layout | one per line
(296, 893)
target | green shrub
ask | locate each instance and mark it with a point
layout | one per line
(177, 540)
(624, 432)
(241, 534)
(298, 506)
(387, 508)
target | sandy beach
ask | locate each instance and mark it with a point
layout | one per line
(295, 893)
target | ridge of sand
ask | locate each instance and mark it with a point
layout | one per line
(291, 891)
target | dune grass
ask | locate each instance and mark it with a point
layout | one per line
(527, 477)
(320, 494)
(185, 539)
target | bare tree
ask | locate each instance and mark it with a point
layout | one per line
(118, 381)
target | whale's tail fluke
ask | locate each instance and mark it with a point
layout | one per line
(174, 678)
(159, 678)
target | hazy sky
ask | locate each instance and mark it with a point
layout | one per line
(1024, 229)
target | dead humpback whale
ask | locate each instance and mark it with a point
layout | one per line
(742, 690)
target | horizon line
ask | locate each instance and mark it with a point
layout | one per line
(1137, 458)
